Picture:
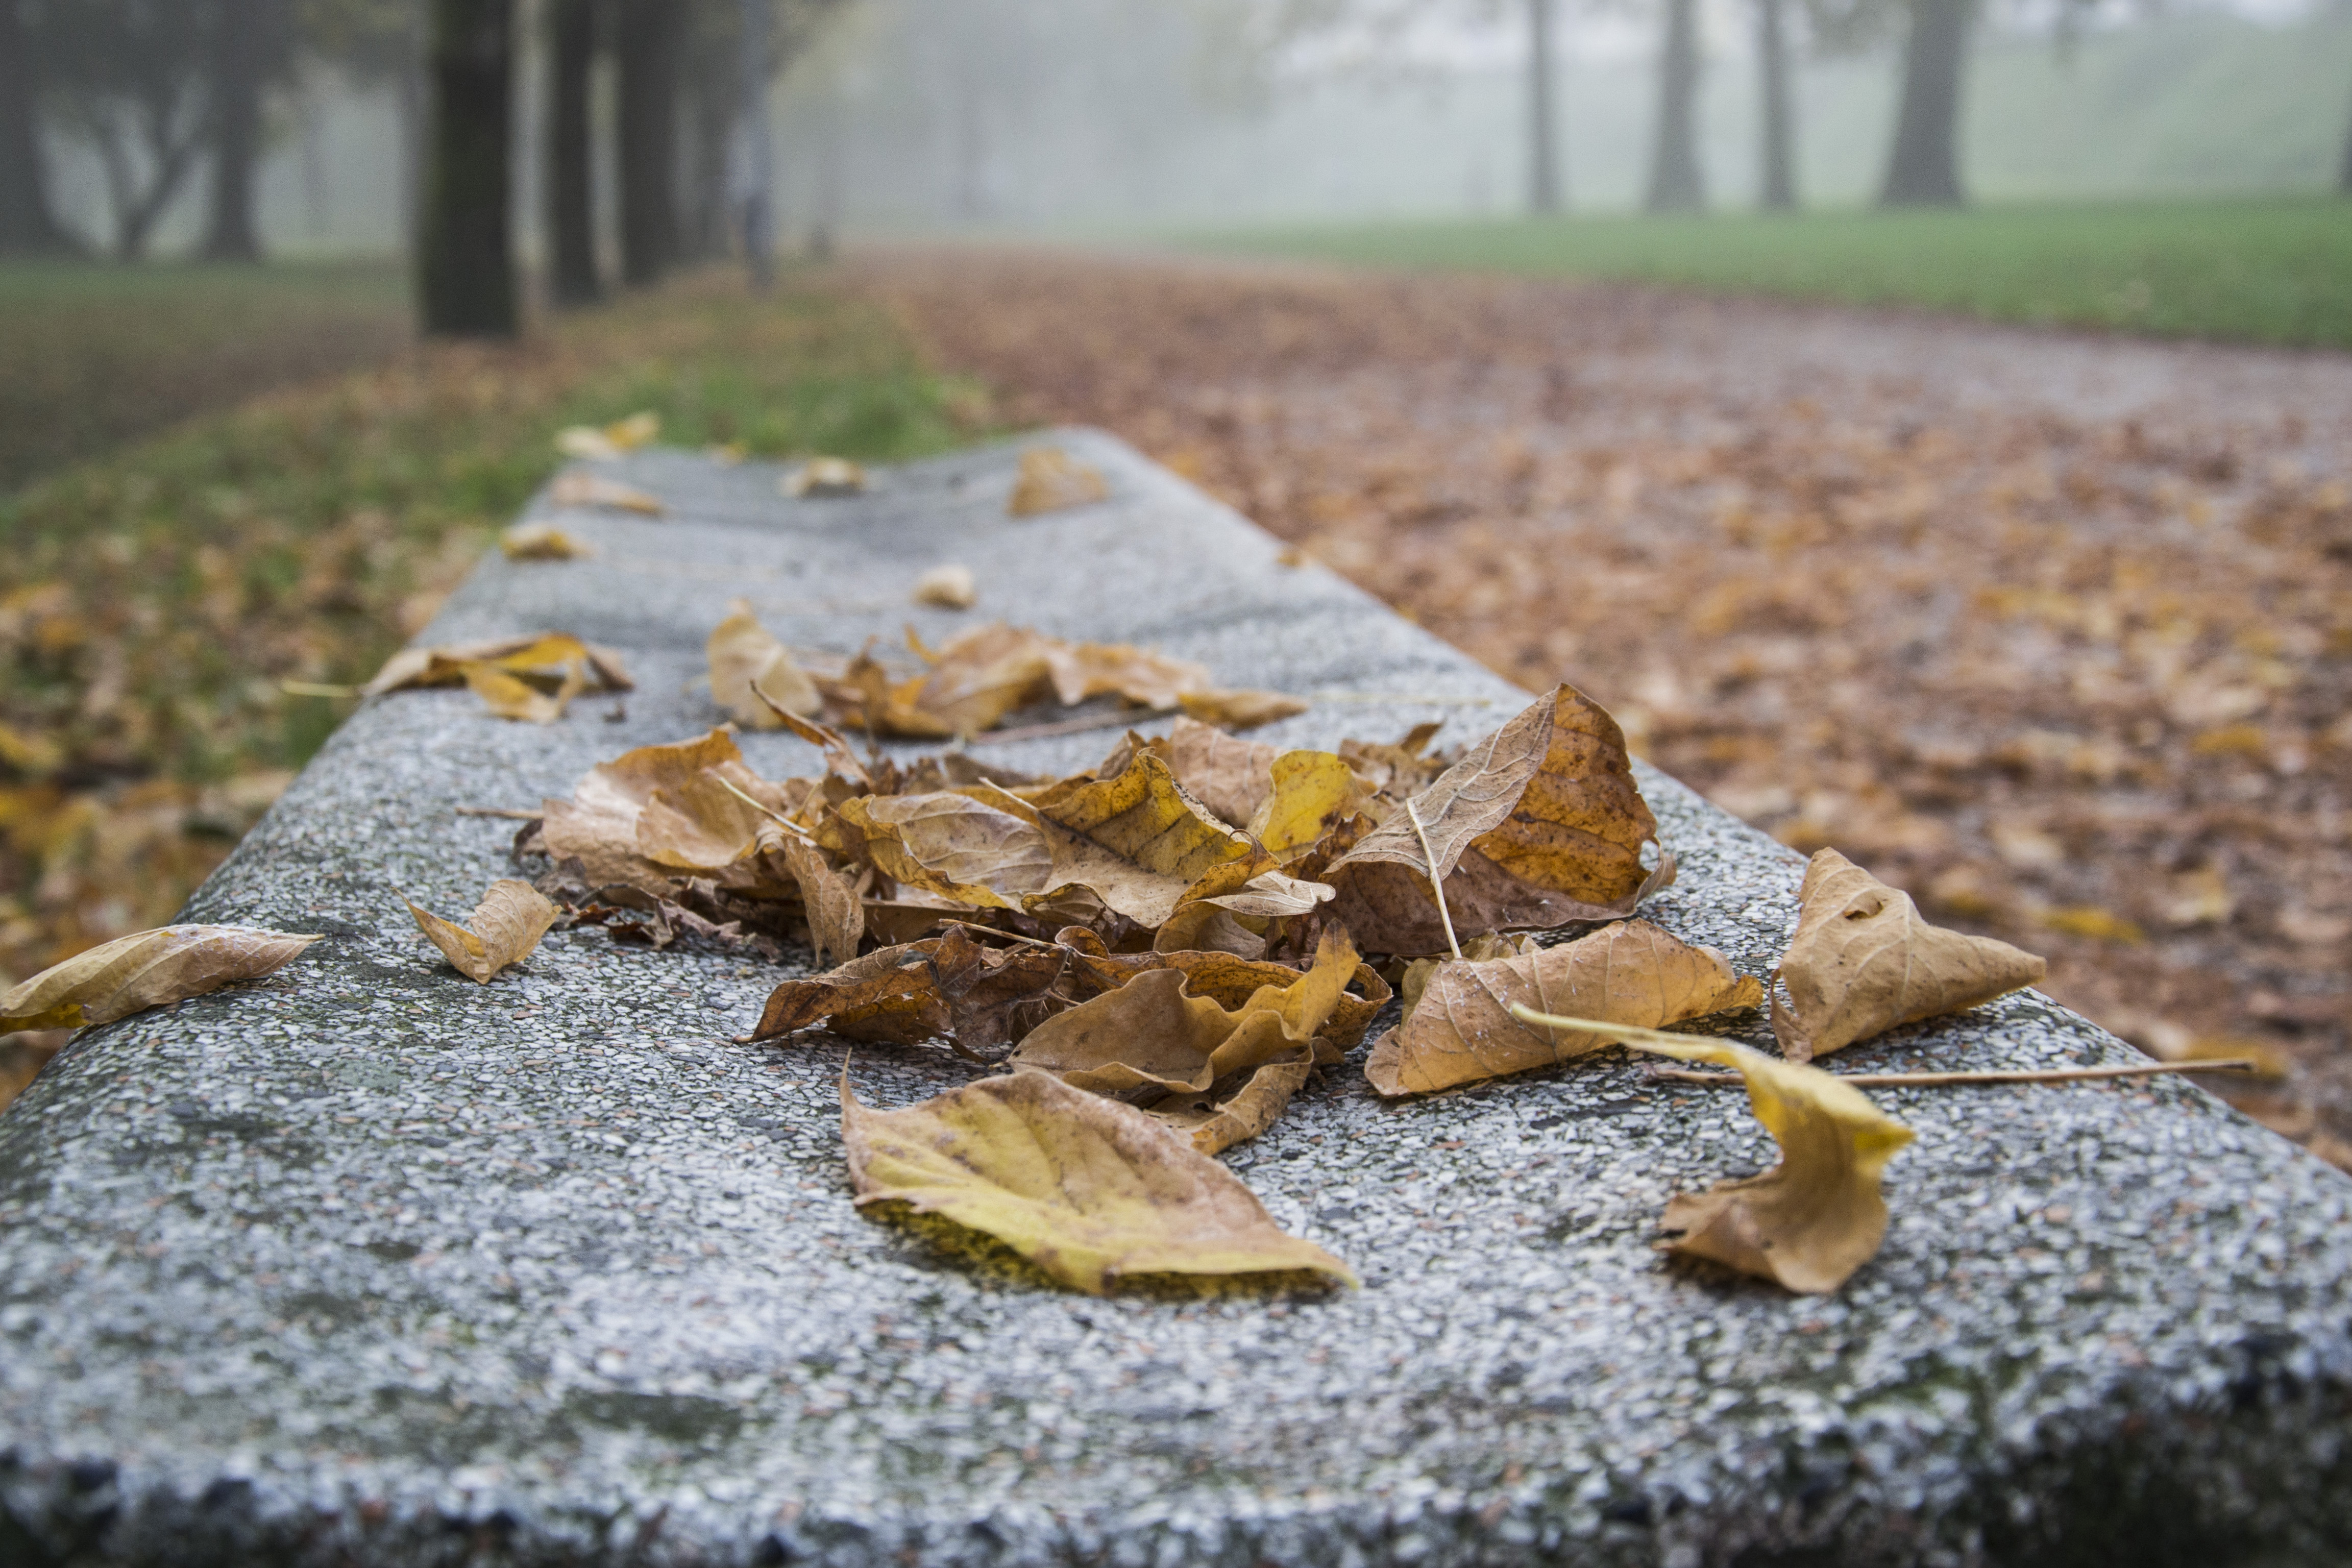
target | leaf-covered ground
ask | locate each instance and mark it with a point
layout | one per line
(152, 602)
(2055, 634)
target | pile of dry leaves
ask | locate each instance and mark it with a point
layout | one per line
(2073, 678)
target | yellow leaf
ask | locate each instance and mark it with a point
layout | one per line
(1405, 768)
(510, 696)
(1139, 844)
(1811, 1221)
(541, 541)
(1081, 670)
(506, 926)
(1052, 480)
(1314, 793)
(950, 844)
(1461, 1028)
(1539, 826)
(1221, 1075)
(578, 487)
(2085, 920)
(147, 969)
(1863, 961)
(539, 655)
(1089, 1190)
(742, 654)
(824, 477)
(1232, 778)
(949, 587)
(610, 441)
(1239, 710)
(660, 811)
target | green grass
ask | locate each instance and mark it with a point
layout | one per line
(152, 600)
(95, 355)
(2265, 271)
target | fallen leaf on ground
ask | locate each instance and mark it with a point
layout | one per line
(1811, 1220)
(1461, 1028)
(1403, 768)
(503, 930)
(1314, 793)
(543, 655)
(950, 844)
(1089, 1190)
(1239, 709)
(1051, 480)
(1139, 843)
(1232, 778)
(1081, 670)
(944, 987)
(949, 587)
(147, 969)
(541, 541)
(742, 654)
(506, 696)
(576, 487)
(1220, 1075)
(1229, 980)
(657, 812)
(836, 920)
(611, 440)
(1539, 826)
(820, 478)
(1863, 961)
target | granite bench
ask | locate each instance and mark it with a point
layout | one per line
(368, 1264)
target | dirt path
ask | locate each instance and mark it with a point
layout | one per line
(2054, 632)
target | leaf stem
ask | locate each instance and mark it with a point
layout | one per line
(994, 930)
(2029, 1075)
(509, 816)
(1436, 883)
(786, 823)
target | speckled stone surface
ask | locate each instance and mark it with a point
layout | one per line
(369, 1264)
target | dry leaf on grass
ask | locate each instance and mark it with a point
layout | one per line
(147, 969)
(1085, 1188)
(580, 488)
(503, 930)
(541, 541)
(948, 587)
(542, 655)
(1053, 480)
(1219, 1075)
(1811, 1221)
(1239, 709)
(1461, 1028)
(612, 440)
(742, 654)
(821, 477)
(1863, 961)
(1539, 826)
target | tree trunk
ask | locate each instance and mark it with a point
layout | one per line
(570, 173)
(1675, 184)
(234, 84)
(1925, 168)
(649, 39)
(466, 251)
(2343, 174)
(1779, 186)
(1543, 134)
(758, 160)
(27, 227)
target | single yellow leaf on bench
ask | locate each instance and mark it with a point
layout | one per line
(1089, 1190)
(505, 927)
(147, 969)
(1052, 480)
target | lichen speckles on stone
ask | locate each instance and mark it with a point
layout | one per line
(368, 1259)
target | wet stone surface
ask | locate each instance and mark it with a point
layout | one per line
(368, 1263)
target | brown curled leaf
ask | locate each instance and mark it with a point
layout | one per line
(1232, 778)
(1221, 1074)
(1539, 826)
(1052, 480)
(1141, 845)
(948, 843)
(659, 812)
(752, 675)
(146, 969)
(1460, 1028)
(1089, 1190)
(501, 932)
(1239, 709)
(979, 999)
(836, 920)
(1863, 961)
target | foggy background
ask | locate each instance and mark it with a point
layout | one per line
(1111, 116)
